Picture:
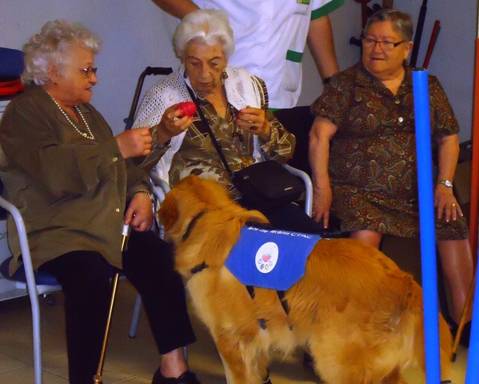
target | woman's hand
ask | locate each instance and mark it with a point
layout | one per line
(254, 120)
(446, 204)
(322, 199)
(172, 123)
(134, 142)
(139, 214)
(448, 153)
(320, 136)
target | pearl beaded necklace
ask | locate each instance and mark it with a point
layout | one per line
(87, 135)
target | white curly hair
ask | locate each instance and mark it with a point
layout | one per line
(48, 47)
(208, 26)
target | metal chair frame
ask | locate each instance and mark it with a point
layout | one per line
(32, 288)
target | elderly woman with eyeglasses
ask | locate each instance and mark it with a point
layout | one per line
(76, 187)
(362, 151)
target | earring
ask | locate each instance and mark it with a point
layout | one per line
(224, 75)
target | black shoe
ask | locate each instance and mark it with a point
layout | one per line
(186, 378)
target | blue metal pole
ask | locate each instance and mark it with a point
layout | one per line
(426, 225)
(472, 374)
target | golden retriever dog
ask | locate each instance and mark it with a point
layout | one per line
(354, 310)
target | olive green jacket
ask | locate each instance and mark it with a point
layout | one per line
(70, 190)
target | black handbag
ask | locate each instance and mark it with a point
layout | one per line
(265, 184)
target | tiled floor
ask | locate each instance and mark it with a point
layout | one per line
(129, 361)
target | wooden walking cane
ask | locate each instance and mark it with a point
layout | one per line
(97, 378)
(474, 203)
(465, 313)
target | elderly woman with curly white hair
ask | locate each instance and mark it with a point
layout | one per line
(234, 105)
(75, 185)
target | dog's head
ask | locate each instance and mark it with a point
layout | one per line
(189, 197)
(197, 211)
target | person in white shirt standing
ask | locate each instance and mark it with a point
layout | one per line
(270, 37)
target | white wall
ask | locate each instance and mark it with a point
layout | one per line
(136, 33)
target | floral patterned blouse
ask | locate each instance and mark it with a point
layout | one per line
(198, 156)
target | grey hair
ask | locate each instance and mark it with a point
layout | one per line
(400, 21)
(48, 48)
(208, 26)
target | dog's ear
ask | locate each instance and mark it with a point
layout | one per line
(254, 216)
(168, 213)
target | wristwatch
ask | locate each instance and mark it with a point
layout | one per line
(447, 183)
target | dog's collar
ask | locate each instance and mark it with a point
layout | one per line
(198, 268)
(192, 224)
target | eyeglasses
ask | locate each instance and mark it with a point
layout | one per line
(369, 42)
(87, 71)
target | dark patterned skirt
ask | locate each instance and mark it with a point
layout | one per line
(358, 210)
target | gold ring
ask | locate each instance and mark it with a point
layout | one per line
(453, 204)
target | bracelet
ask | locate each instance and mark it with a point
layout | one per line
(447, 183)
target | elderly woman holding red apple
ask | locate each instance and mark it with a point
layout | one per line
(233, 103)
(232, 106)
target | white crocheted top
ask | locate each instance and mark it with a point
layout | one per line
(242, 90)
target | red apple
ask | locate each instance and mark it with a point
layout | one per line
(186, 108)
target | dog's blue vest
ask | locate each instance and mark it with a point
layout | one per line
(270, 258)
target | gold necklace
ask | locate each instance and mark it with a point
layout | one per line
(87, 135)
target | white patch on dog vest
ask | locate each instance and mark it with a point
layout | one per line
(267, 257)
